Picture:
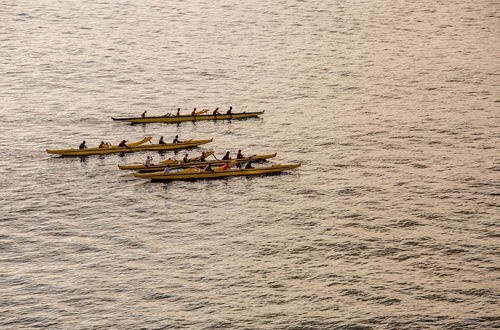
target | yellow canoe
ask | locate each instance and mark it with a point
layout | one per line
(178, 119)
(194, 174)
(131, 147)
(192, 163)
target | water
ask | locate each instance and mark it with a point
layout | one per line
(390, 222)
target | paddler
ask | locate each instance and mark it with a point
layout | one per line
(203, 157)
(161, 140)
(82, 145)
(239, 155)
(176, 139)
(185, 159)
(143, 114)
(216, 112)
(230, 111)
(123, 144)
(178, 112)
(226, 166)
(193, 113)
(226, 156)
(102, 144)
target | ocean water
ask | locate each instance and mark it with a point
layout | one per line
(391, 222)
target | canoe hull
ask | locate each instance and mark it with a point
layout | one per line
(159, 167)
(178, 119)
(193, 174)
(104, 151)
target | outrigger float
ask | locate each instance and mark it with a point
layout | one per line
(182, 118)
(194, 162)
(217, 173)
(131, 147)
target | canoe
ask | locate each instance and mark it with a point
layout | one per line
(194, 174)
(106, 149)
(179, 164)
(132, 148)
(178, 119)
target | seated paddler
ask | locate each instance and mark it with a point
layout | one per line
(123, 144)
(149, 161)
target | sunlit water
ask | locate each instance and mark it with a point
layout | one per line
(392, 108)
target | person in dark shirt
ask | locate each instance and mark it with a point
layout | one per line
(226, 156)
(143, 114)
(178, 112)
(239, 155)
(176, 139)
(161, 140)
(216, 112)
(208, 168)
(230, 111)
(203, 157)
(185, 159)
(82, 145)
(193, 113)
(123, 144)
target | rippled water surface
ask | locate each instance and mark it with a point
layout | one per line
(391, 107)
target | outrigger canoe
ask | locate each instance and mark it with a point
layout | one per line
(194, 174)
(178, 119)
(179, 164)
(132, 147)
